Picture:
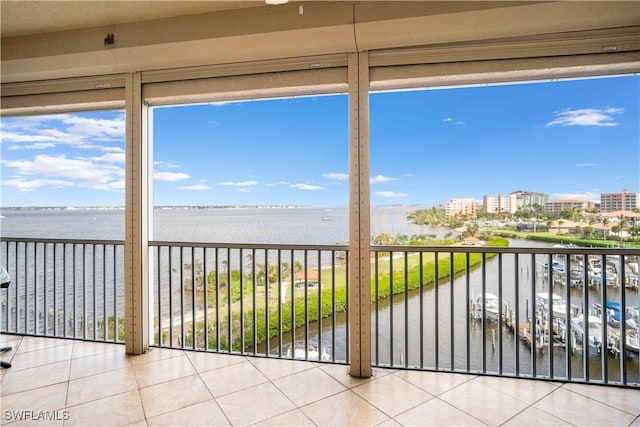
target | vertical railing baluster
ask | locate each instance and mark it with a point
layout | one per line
(585, 322)
(421, 304)
(267, 303)
(549, 315)
(254, 301)
(194, 333)
(181, 283)
(532, 321)
(280, 332)
(500, 314)
(567, 320)
(391, 308)
(451, 309)
(468, 310)
(623, 322)
(306, 304)
(484, 311)
(377, 305)
(406, 309)
(320, 305)
(205, 296)
(170, 276)
(604, 347)
(436, 309)
(516, 316)
(229, 302)
(217, 283)
(293, 304)
(241, 263)
(333, 307)
(158, 252)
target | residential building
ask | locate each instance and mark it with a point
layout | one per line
(624, 201)
(528, 199)
(465, 206)
(500, 203)
(557, 206)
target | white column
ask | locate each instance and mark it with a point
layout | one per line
(137, 181)
(359, 218)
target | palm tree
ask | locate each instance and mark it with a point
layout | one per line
(605, 222)
(622, 223)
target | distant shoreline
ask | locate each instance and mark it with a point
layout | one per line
(113, 208)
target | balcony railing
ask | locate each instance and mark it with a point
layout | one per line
(481, 310)
(64, 288)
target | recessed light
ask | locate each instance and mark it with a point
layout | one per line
(276, 1)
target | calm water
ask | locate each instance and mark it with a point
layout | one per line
(299, 225)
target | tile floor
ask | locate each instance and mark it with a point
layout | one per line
(84, 383)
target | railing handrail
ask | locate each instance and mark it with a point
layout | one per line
(506, 250)
(261, 246)
(61, 241)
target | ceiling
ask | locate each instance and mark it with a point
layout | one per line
(28, 17)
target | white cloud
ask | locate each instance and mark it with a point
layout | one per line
(307, 187)
(110, 158)
(60, 166)
(195, 187)
(586, 117)
(63, 129)
(381, 178)
(243, 190)
(450, 120)
(162, 164)
(170, 176)
(390, 194)
(29, 185)
(585, 165)
(238, 183)
(34, 146)
(408, 175)
(337, 176)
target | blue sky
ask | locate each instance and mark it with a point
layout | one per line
(570, 139)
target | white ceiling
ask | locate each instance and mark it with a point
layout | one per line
(27, 17)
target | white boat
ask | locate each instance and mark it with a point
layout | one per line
(559, 305)
(491, 307)
(595, 331)
(312, 352)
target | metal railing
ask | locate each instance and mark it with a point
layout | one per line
(481, 310)
(269, 300)
(486, 310)
(64, 288)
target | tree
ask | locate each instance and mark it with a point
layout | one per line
(384, 239)
(605, 222)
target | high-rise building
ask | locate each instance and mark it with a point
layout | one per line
(625, 201)
(500, 204)
(528, 199)
(466, 206)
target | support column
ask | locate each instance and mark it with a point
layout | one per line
(136, 245)
(359, 218)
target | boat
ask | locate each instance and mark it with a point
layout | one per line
(312, 352)
(595, 331)
(559, 305)
(613, 314)
(491, 306)
(556, 266)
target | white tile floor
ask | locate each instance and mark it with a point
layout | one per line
(85, 383)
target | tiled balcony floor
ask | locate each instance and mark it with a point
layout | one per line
(98, 384)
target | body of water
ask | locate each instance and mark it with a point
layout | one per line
(323, 225)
